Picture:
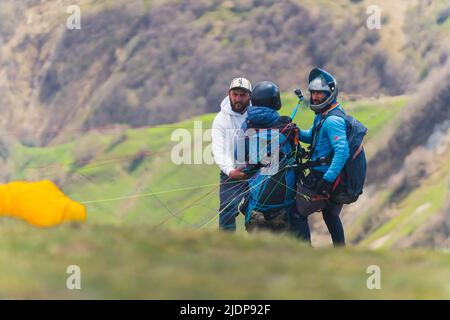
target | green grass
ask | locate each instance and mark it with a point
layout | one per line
(139, 262)
(375, 115)
(408, 220)
(378, 204)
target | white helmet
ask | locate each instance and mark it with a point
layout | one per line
(242, 83)
(319, 84)
(320, 80)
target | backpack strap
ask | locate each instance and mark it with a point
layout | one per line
(315, 137)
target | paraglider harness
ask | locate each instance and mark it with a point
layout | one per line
(295, 165)
(271, 198)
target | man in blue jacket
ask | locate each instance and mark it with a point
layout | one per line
(328, 154)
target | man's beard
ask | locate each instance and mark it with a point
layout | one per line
(238, 107)
(319, 101)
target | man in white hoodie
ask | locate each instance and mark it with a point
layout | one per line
(226, 125)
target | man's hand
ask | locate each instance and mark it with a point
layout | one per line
(237, 174)
(324, 187)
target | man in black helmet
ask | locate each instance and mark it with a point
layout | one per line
(328, 154)
(266, 94)
(270, 201)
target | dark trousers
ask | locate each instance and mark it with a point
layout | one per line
(299, 225)
(231, 194)
(307, 203)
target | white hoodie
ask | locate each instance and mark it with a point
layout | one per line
(224, 129)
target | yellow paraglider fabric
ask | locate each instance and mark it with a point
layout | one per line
(39, 203)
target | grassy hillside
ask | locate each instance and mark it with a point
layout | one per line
(143, 263)
(395, 216)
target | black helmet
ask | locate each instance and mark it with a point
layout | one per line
(266, 94)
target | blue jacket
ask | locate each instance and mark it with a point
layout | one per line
(257, 117)
(332, 138)
(261, 117)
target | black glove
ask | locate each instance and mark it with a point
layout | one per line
(324, 187)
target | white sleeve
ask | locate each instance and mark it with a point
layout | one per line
(223, 155)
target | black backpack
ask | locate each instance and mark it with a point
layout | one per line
(350, 182)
